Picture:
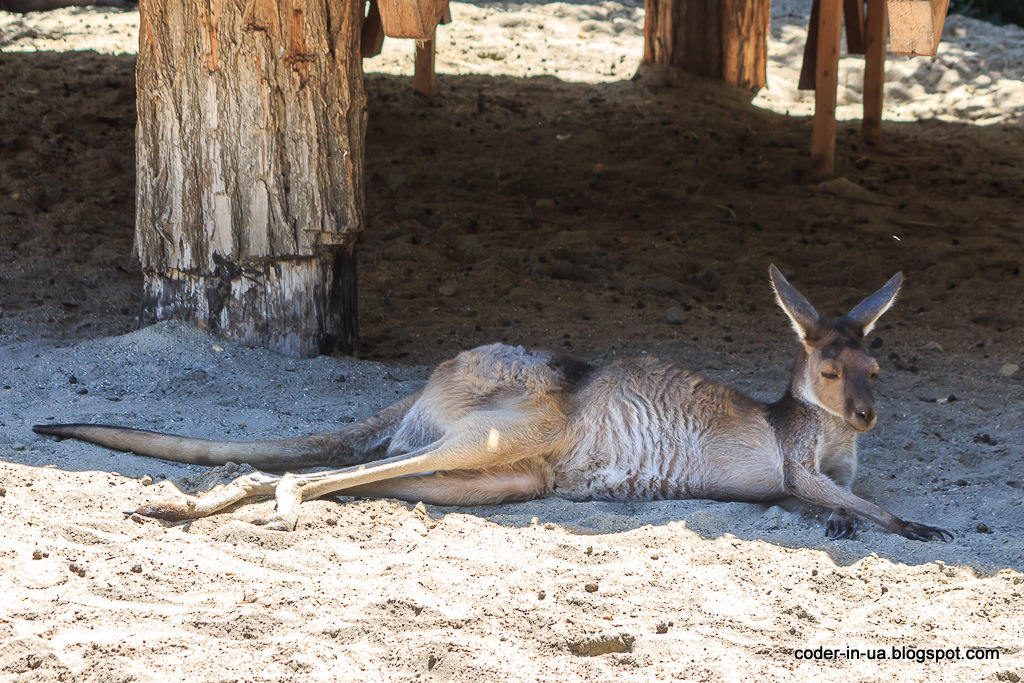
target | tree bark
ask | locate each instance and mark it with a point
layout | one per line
(251, 122)
(721, 39)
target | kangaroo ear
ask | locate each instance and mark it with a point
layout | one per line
(864, 314)
(809, 325)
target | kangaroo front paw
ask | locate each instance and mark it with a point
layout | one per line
(923, 532)
(840, 525)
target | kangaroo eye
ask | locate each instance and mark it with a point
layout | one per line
(830, 375)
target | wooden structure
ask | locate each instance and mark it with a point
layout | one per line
(252, 116)
(916, 26)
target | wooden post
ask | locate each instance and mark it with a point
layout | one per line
(721, 39)
(823, 133)
(251, 122)
(424, 78)
(874, 70)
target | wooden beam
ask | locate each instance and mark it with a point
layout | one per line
(424, 79)
(371, 40)
(874, 70)
(411, 18)
(915, 26)
(823, 133)
(853, 14)
(809, 66)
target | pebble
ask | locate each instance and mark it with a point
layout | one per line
(136, 568)
(591, 587)
(146, 480)
(932, 346)
(1009, 369)
(663, 626)
(982, 528)
(18, 446)
(541, 595)
(249, 597)
(446, 290)
(38, 554)
(674, 316)
(3, 491)
(76, 569)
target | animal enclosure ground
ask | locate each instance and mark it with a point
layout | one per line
(592, 215)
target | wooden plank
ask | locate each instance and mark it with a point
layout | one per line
(853, 14)
(823, 133)
(810, 63)
(411, 18)
(874, 70)
(915, 26)
(371, 40)
(424, 79)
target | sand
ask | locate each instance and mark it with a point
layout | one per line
(544, 199)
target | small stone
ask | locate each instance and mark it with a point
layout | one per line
(591, 587)
(146, 480)
(218, 348)
(331, 521)
(674, 316)
(18, 446)
(541, 595)
(932, 346)
(82, 392)
(72, 380)
(38, 554)
(3, 491)
(136, 568)
(446, 290)
(550, 526)
(663, 626)
(76, 568)
(249, 597)
(1009, 369)
(982, 528)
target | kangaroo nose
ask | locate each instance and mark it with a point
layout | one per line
(867, 414)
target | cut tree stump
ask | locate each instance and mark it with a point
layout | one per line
(251, 122)
(722, 39)
(412, 18)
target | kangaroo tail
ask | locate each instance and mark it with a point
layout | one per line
(350, 445)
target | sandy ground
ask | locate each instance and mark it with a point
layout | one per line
(543, 199)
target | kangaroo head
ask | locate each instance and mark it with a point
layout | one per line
(833, 370)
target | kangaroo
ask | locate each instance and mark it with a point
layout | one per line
(500, 424)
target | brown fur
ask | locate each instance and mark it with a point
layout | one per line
(500, 423)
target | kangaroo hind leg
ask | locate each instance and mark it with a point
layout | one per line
(484, 440)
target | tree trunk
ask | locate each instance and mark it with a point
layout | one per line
(721, 39)
(251, 121)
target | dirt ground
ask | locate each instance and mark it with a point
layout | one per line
(544, 199)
